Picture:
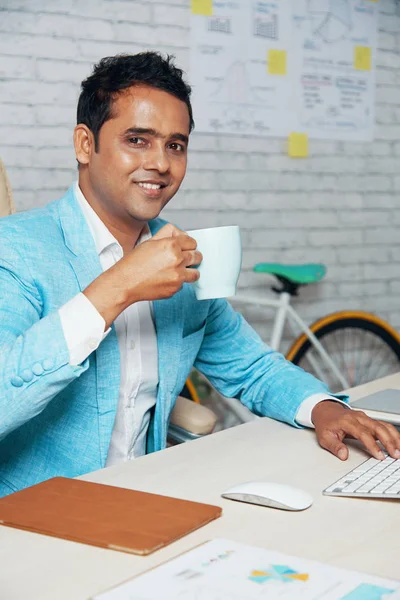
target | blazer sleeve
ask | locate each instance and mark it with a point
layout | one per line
(34, 357)
(239, 365)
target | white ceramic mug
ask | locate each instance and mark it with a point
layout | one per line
(222, 260)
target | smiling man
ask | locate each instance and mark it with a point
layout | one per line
(99, 328)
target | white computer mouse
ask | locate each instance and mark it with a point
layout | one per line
(267, 493)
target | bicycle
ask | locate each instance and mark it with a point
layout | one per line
(343, 349)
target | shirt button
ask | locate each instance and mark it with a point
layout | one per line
(27, 375)
(92, 344)
(133, 345)
(17, 381)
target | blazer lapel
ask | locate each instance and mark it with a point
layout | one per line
(86, 265)
(169, 326)
(168, 316)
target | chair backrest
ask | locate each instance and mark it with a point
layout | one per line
(6, 201)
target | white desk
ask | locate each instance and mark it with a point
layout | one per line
(354, 533)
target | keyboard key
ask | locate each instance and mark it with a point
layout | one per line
(375, 478)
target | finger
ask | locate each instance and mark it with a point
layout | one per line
(167, 231)
(395, 433)
(192, 257)
(389, 437)
(186, 242)
(333, 442)
(191, 275)
(366, 435)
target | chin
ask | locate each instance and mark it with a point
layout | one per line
(148, 212)
(146, 215)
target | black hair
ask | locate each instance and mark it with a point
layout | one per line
(115, 73)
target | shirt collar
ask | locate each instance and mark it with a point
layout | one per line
(102, 237)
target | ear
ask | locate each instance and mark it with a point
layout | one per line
(84, 144)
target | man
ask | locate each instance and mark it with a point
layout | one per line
(99, 325)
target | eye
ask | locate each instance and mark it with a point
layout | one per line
(177, 147)
(136, 141)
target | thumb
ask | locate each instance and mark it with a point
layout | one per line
(333, 442)
(167, 231)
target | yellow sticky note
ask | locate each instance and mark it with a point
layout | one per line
(277, 62)
(362, 58)
(202, 7)
(298, 145)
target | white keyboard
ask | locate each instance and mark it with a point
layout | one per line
(372, 479)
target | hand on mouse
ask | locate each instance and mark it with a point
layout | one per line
(334, 422)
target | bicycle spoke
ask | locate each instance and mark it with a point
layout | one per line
(360, 362)
(391, 370)
(376, 349)
(361, 355)
(338, 356)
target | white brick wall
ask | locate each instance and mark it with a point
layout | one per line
(340, 206)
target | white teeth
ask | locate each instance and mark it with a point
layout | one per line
(150, 186)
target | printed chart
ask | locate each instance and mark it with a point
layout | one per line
(226, 570)
(270, 68)
(335, 79)
(281, 573)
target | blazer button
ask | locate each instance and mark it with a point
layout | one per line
(48, 364)
(17, 381)
(37, 369)
(27, 375)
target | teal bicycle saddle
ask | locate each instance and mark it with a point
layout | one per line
(301, 274)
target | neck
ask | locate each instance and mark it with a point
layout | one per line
(126, 232)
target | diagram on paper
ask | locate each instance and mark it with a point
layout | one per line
(266, 20)
(226, 570)
(336, 94)
(331, 20)
(239, 104)
(281, 573)
(367, 591)
(232, 90)
(323, 87)
(236, 88)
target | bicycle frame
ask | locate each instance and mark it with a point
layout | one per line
(285, 311)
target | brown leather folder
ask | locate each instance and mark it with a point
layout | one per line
(104, 515)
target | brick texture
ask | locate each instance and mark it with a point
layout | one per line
(340, 206)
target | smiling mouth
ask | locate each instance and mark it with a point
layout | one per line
(152, 190)
(151, 186)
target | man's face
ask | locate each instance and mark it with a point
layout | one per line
(142, 155)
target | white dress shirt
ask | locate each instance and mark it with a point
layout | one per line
(83, 329)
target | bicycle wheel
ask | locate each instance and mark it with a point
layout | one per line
(363, 347)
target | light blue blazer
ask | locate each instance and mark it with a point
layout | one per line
(57, 419)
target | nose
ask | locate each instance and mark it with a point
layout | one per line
(157, 159)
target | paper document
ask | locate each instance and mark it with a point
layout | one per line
(226, 570)
(269, 68)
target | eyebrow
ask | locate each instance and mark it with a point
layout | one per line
(137, 131)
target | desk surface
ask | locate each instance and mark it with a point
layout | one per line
(354, 533)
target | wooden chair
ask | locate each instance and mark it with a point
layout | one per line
(6, 200)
